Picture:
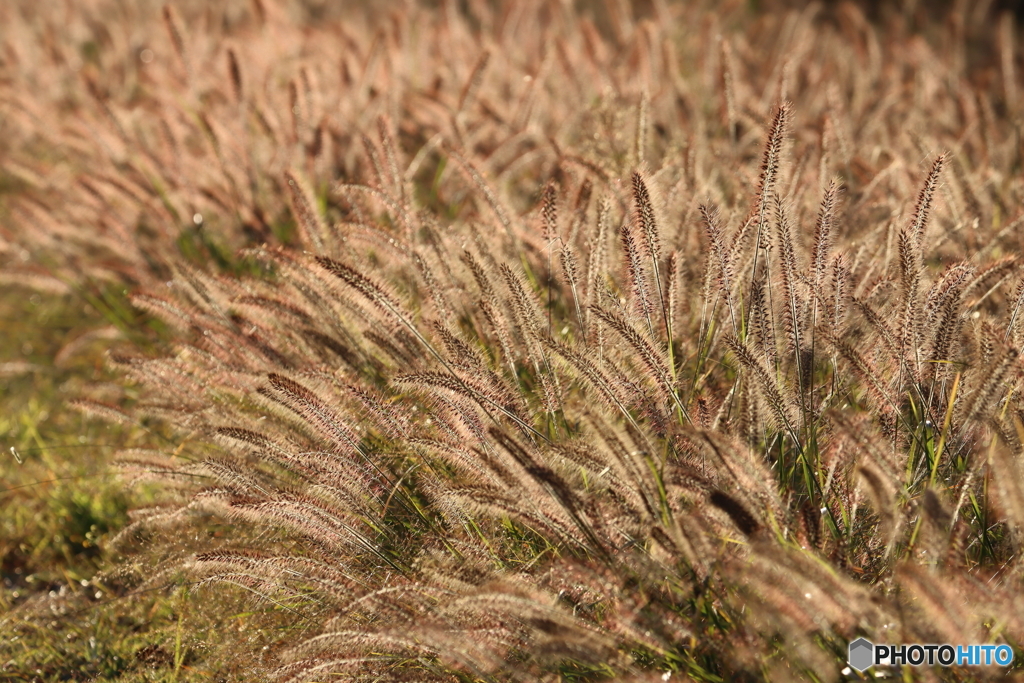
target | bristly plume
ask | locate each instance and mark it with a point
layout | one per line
(840, 294)
(1018, 301)
(304, 210)
(172, 23)
(235, 72)
(728, 88)
(645, 221)
(648, 354)
(105, 411)
(761, 323)
(380, 179)
(549, 211)
(523, 305)
(637, 275)
(315, 410)
(869, 375)
(580, 209)
(434, 287)
(640, 142)
(362, 284)
(483, 281)
(772, 158)
(720, 257)
(771, 162)
(597, 247)
(910, 281)
(391, 158)
(737, 512)
(788, 277)
(672, 275)
(991, 390)
(922, 208)
(570, 269)
(527, 318)
(823, 229)
(770, 389)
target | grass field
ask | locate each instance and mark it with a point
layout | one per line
(508, 341)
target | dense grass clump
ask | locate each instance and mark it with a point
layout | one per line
(511, 342)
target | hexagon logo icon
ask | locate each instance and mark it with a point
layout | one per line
(861, 654)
